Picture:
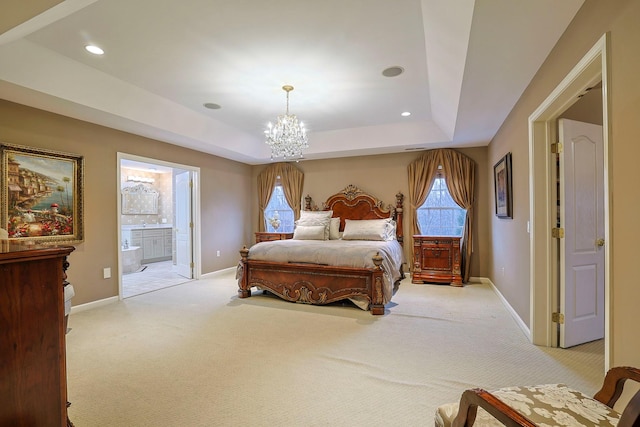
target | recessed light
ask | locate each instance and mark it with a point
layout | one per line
(94, 49)
(212, 106)
(392, 71)
(406, 114)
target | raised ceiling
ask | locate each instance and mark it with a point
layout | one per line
(466, 63)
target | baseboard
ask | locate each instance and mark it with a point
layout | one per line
(523, 327)
(217, 273)
(93, 304)
(106, 301)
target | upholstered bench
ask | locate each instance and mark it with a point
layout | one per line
(549, 405)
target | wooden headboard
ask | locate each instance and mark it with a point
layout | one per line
(353, 203)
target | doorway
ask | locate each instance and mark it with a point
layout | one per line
(543, 132)
(157, 223)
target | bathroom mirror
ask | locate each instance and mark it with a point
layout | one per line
(139, 199)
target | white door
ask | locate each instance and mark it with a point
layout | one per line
(184, 226)
(582, 217)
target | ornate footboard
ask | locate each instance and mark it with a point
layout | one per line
(313, 284)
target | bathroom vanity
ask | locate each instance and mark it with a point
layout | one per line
(155, 240)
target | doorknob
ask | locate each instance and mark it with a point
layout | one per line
(600, 242)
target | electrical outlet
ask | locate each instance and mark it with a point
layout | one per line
(106, 273)
(217, 253)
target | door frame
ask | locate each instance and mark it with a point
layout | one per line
(195, 210)
(591, 69)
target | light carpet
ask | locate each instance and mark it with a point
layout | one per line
(196, 355)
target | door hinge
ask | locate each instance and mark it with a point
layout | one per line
(557, 318)
(190, 183)
(190, 225)
(556, 148)
(557, 233)
(191, 265)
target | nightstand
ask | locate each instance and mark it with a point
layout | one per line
(267, 237)
(436, 260)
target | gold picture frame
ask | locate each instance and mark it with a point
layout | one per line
(503, 189)
(41, 195)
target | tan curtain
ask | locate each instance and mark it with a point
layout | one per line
(422, 175)
(266, 182)
(292, 180)
(459, 171)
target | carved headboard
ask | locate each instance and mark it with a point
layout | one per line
(353, 203)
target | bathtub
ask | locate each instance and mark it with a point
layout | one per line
(131, 259)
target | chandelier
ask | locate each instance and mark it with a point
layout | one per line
(288, 137)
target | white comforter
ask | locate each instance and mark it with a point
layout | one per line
(346, 253)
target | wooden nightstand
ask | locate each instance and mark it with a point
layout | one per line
(267, 237)
(436, 260)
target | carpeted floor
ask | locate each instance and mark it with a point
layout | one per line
(196, 355)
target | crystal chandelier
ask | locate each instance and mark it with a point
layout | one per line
(288, 137)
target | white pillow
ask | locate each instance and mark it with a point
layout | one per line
(366, 229)
(334, 228)
(309, 232)
(316, 218)
(311, 215)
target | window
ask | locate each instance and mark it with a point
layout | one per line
(440, 215)
(278, 216)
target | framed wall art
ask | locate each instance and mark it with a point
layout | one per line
(503, 190)
(41, 195)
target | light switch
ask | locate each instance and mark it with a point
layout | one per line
(106, 273)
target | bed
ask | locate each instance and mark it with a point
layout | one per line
(323, 271)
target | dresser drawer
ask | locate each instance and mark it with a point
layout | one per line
(437, 258)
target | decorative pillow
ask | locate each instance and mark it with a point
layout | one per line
(366, 229)
(391, 230)
(315, 218)
(309, 232)
(334, 228)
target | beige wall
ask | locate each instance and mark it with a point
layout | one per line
(383, 176)
(225, 192)
(587, 109)
(16, 12)
(510, 242)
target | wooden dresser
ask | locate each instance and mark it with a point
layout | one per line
(33, 373)
(267, 237)
(436, 260)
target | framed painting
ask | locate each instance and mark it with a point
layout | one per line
(41, 196)
(503, 190)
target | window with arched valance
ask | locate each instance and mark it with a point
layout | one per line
(459, 171)
(290, 178)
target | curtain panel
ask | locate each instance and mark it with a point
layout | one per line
(292, 180)
(459, 172)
